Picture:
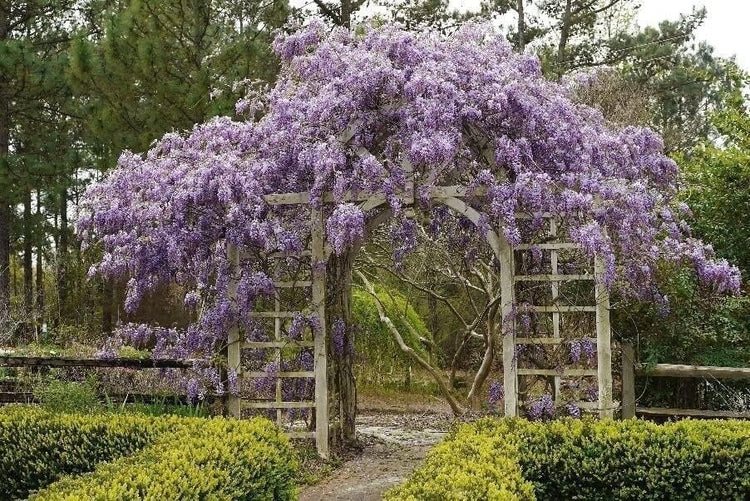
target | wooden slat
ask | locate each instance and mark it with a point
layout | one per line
(554, 372)
(703, 371)
(274, 314)
(318, 292)
(628, 381)
(289, 343)
(300, 434)
(293, 254)
(126, 363)
(291, 285)
(282, 374)
(603, 343)
(507, 306)
(234, 341)
(548, 246)
(270, 404)
(700, 413)
(562, 309)
(552, 278)
(546, 340)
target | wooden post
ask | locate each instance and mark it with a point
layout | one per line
(603, 343)
(555, 295)
(234, 347)
(628, 381)
(507, 299)
(318, 265)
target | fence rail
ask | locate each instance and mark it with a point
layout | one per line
(125, 363)
(7, 395)
(631, 369)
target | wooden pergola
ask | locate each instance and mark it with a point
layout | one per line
(374, 204)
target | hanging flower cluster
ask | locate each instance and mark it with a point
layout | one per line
(381, 110)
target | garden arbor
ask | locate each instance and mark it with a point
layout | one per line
(257, 220)
(375, 204)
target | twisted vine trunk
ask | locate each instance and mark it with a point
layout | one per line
(341, 351)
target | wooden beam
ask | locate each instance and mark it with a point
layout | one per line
(300, 434)
(561, 309)
(283, 374)
(699, 413)
(234, 343)
(545, 340)
(508, 331)
(555, 372)
(603, 343)
(628, 381)
(317, 229)
(698, 371)
(271, 404)
(548, 246)
(274, 314)
(287, 343)
(292, 284)
(552, 278)
(125, 363)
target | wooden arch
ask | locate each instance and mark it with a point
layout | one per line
(453, 198)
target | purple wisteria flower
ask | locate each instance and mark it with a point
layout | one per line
(390, 111)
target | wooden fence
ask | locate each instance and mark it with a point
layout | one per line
(8, 394)
(631, 369)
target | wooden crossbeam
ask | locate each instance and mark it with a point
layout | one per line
(555, 277)
(282, 255)
(545, 340)
(283, 374)
(274, 314)
(290, 343)
(554, 372)
(699, 413)
(562, 309)
(548, 246)
(270, 404)
(702, 371)
(292, 284)
(300, 434)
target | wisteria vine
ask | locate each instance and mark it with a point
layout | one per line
(374, 111)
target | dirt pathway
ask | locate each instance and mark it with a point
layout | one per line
(394, 446)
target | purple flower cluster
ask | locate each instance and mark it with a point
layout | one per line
(345, 227)
(379, 110)
(495, 393)
(542, 408)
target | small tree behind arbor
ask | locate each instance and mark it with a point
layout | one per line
(378, 127)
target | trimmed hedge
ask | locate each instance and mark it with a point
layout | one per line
(145, 458)
(586, 459)
(38, 447)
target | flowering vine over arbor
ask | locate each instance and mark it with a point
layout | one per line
(375, 125)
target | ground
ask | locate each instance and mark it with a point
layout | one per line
(395, 434)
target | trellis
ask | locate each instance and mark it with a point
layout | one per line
(318, 252)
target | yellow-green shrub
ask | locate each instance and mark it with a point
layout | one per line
(38, 447)
(203, 459)
(141, 457)
(586, 459)
(469, 465)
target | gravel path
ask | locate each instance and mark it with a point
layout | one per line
(393, 446)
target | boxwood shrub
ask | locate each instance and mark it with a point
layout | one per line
(140, 457)
(585, 459)
(38, 447)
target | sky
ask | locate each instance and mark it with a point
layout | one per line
(726, 26)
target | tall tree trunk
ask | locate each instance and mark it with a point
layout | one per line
(521, 26)
(62, 255)
(39, 260)
(562, 46)
(107, 306)
(28, 259)
(341, 351)
(5, 210)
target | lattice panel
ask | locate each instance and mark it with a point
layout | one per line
(561, 336)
